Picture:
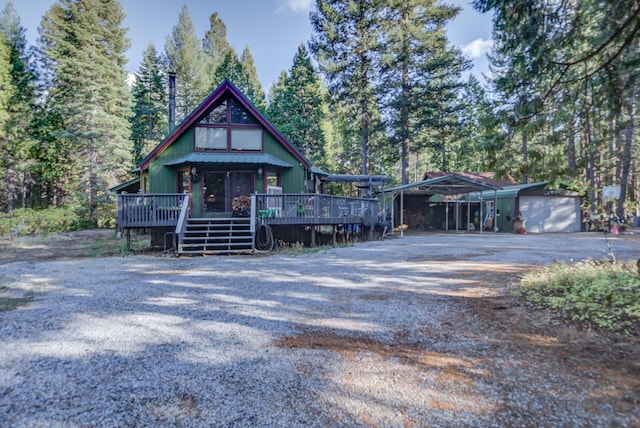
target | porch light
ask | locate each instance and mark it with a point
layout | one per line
(194, 175)
(260, 172)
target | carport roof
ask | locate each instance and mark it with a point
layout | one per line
(513, 191)
(452, 184)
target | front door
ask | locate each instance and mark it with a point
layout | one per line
(220, 187)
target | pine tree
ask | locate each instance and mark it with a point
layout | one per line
(149, 121)
(420, 75)
(17, 137)
(216, 48)
(230, 68)
(85, 41)
(297, 107)
(344, 42)
(565, 74)
(186, 59)
(6, 93)
(249, 82)
(276, 108)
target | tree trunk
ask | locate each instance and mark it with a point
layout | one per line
(626, 152)
(10, 189)
(444, 154)
(590, 164)
(571, 155)
(525, 167)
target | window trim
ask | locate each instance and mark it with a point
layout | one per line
(228, 126)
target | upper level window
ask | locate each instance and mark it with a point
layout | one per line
(211, 138)
(246, 139)
(217, 115)
(241, 115)
(228, 126)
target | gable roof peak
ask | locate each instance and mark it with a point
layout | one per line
(191, 119)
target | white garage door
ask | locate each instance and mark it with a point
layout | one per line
(546, 214)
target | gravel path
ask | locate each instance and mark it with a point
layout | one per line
(376, 334)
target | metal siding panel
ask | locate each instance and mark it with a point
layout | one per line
(550, 214)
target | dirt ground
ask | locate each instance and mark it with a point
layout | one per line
(613, 359)
(69, 245)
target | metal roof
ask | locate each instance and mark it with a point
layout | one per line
(229, 158)
(123, 186)
(452, 184)
(511, 191)
(318, 171)
(374, 180)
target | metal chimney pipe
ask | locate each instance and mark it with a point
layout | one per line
(172, 100)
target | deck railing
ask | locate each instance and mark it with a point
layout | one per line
(149, 209)
(315, 209)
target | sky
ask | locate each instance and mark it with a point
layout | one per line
(273, 29)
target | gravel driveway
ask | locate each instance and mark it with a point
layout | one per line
(418, 331)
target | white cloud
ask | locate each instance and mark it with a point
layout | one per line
(295, 5)
(477, 48)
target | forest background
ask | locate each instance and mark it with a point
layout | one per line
(377, 89)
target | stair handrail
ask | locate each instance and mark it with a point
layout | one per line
(182, 221)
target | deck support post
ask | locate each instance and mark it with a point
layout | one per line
(313, 236)
(334, 239)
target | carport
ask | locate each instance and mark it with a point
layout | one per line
(448, 185)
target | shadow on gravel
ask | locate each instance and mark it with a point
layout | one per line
(354, 336)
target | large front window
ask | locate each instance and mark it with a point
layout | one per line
(228, 126)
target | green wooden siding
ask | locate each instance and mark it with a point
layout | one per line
(162, 178)
(292, 178)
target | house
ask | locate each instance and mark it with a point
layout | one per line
(224, 149)
(223, 168)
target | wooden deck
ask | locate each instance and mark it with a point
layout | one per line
(147, 210)
(164, 210)
(315, 209)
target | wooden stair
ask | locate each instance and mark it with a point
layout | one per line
(212, 236)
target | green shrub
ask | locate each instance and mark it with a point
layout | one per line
(29, 222)
(600, 294)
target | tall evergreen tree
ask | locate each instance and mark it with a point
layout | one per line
(565, 72)
(420, 73)
(149, 121)
(86, 42)
(230, 68)
(344, 42)
(17, 137)
(6, 93)
(249, 82)
(296, 107)
(186, 59)
(216, 48)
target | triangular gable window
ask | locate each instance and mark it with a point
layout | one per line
(216, 116)
(240, 115)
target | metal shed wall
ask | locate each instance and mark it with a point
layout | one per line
(548, 214)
